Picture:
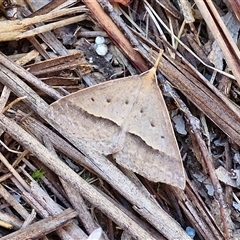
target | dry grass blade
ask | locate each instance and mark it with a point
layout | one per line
(16, 29)
(222, 36)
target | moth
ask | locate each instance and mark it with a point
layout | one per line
(128, 119)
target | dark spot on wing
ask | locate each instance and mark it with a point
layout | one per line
(152, 124)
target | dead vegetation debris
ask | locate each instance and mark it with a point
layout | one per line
(56, 187)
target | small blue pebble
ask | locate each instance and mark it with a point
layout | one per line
(190, 232)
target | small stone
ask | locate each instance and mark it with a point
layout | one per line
(99, 40)
(190, 232)
(101, 49)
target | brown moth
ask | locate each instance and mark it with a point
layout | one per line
(127, 118)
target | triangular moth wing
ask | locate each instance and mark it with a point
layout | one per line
(94, 114)
(149, 119)
(111, 100)
(152, 164)
(97, 133)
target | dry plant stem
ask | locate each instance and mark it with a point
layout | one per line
(70, 191)
(195, 128)
(121, 24)
(50, 39)
(150, 10)
(29, 199)
(208, 225)
(169, 7)
(20, 158)
(70, 61)
(4, 98)
(228, 189)
(165, 225)
(194, 217)
(64, 235)
(73, 231)
(38, 47)
(27, 76)
(17, 184)
(53, 208)
(221, 35)
(47, 37)
(134, 9)
(132, 176)
(216, 184)
(5, 225)
(13, 202)
(48, 184)
(68, 4)
(79, 205)
(31, 55)
(11, 219)
(140, 221)
(91, 34)
(7, 176)
(47, 8)
(5, 94)
(12, 103)
(185, 7)
(235, 5)
(29, 219)
(115, 34)
(198, 49)
(110, 228)
(42, 227)
(51, 26)
(206, 98)
(44, 238)
(8, 149)
(188, 69)
(49, 204)
(12, 29)
(13, 171)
